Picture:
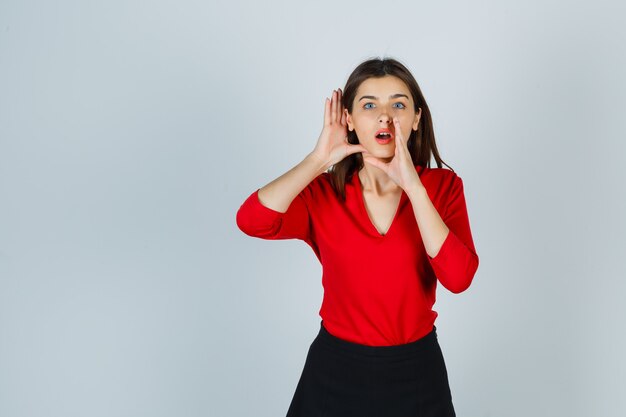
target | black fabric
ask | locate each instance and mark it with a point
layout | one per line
(346, 379)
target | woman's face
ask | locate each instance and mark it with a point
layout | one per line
(376, 103)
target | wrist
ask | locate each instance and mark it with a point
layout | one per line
(416, 190)
(318, 162)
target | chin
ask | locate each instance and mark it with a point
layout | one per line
(385, 158)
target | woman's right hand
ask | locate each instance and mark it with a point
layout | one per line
(332, 145)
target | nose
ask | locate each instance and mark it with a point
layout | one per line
(384, 118)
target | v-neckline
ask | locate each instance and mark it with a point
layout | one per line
(372, 226)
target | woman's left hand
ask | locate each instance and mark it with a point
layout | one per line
(400, 169)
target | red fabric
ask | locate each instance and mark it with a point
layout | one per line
(379, 290)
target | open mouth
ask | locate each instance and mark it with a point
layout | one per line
(384, 136)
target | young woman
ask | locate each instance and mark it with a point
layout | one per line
(385, 227)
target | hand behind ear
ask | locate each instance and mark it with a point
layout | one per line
(332, 145)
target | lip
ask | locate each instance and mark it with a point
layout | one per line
(383, 141)
(379, 131)
(385, 131)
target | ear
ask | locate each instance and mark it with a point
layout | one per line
(418, 115)
(349, 120)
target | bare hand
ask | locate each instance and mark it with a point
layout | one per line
(400, 169)
(332, 145)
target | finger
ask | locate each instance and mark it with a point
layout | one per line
(401, 144)
(375, 162)
(356, 148)
(402, 150)
(396, 124)
(333, 110)
(339, 105)
(327, 112)
(399, 138)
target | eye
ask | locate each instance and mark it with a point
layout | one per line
(367, 104)
(403, 106)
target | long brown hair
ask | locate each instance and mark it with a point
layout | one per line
(421, 143)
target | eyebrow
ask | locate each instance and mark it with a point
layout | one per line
(392, 96)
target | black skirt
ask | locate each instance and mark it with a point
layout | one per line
(345, 379)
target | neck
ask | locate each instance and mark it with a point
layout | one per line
(374, 179)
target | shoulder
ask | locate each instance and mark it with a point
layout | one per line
(438, 177)
(442, 184)
(321, 181)
(317, 188)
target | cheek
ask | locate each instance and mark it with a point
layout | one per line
(406, 126)
(363, 121)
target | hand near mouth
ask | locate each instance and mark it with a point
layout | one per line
(400, 169)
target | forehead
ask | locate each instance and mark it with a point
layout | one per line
(382, 87)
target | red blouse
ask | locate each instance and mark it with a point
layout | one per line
(379, 290)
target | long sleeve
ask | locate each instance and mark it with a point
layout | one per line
(456, 262)
(257, 220)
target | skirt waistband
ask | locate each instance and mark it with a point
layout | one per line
(416, 346)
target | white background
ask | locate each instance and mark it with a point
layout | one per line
(131, 132)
